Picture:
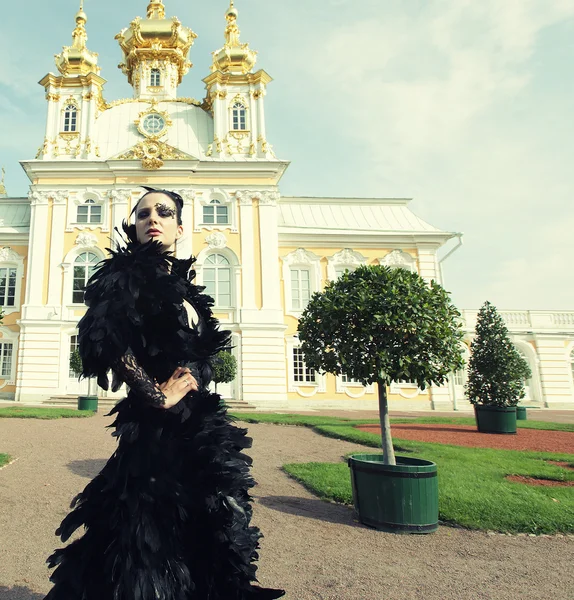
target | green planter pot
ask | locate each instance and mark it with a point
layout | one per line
(401, 498)
(521, 413)
(88, 403)
(495, 419)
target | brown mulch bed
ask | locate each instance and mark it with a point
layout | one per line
(467, 435)
(538, 481)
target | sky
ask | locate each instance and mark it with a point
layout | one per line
(464, 106)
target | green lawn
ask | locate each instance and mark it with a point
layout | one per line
(473, 491)
(311, 421)
(30, 412)
(4, 459)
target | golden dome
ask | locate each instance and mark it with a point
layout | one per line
(77, 59)
(234, 57)
(155, 38)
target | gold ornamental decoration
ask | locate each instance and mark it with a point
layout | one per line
(153, 154)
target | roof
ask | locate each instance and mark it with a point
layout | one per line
(14, 215)
(191, 132)
(350, 215)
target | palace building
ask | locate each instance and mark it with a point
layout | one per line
(260, 254)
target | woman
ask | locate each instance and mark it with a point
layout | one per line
(168, 517)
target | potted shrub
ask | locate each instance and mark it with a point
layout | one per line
(89, 402)
(380, 325)
(224, 368)
(496, 374)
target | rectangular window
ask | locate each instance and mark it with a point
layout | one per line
(209, 215)
(300, 288)
(96, 216)
(7, 286)
(6, 360)
(302, 373)
(79, 282)
(349, 380)
(83, 214)
(222, 218)
(459, 377)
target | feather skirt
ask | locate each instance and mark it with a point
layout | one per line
(168, 517)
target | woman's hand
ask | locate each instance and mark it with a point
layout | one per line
(177, 386)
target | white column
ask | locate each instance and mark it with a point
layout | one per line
(38, 233)
(184, 247)
(245, 200)
(54, 275)
(269, 241)
(428, 262)
(554, 371)
(119, 210)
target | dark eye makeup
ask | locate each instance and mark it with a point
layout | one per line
(163, 211)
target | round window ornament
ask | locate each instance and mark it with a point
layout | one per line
(153, 123)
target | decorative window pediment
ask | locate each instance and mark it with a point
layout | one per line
(88, 210)
(215, 211)
(345, 260)
(398, 259)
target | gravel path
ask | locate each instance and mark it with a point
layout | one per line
(315, 550)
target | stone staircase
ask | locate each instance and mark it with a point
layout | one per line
(106, 404)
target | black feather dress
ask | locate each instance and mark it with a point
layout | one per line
(168, 517)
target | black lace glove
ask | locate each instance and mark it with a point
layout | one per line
(129, 371)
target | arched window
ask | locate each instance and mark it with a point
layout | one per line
(73, 347)
(84, 266)
(217, 279)
(71, 118)
(215, 213)
(238, 117)
(89, 212)
(155, 77)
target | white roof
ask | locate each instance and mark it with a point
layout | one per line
(14, 215)
(191, 132)
(350, 215)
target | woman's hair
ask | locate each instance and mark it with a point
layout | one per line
(177, 199)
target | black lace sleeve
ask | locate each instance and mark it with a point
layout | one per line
(131, 373)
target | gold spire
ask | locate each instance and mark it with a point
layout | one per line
(77, 59)
(234, 57)
(156, 10)
(2, 185)
(155, 38)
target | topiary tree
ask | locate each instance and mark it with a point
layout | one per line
(224, 368)
(379, 325)
(76, 362)
(496, 370)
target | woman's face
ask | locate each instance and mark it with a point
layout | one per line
(156, 219)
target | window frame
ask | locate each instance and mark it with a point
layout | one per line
(70, 114)
(90, 204)
(304, 389)
(154, 72)
(215, 205)
(10, 259)
(87, 274)
(238, 116)
(300, 259)
(228, 266)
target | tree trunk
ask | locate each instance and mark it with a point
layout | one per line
(388, 450)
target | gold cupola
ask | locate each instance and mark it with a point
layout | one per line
(155, 42)
(234, 57)
(77, 59)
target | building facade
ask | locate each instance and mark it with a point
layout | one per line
(260, 255)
